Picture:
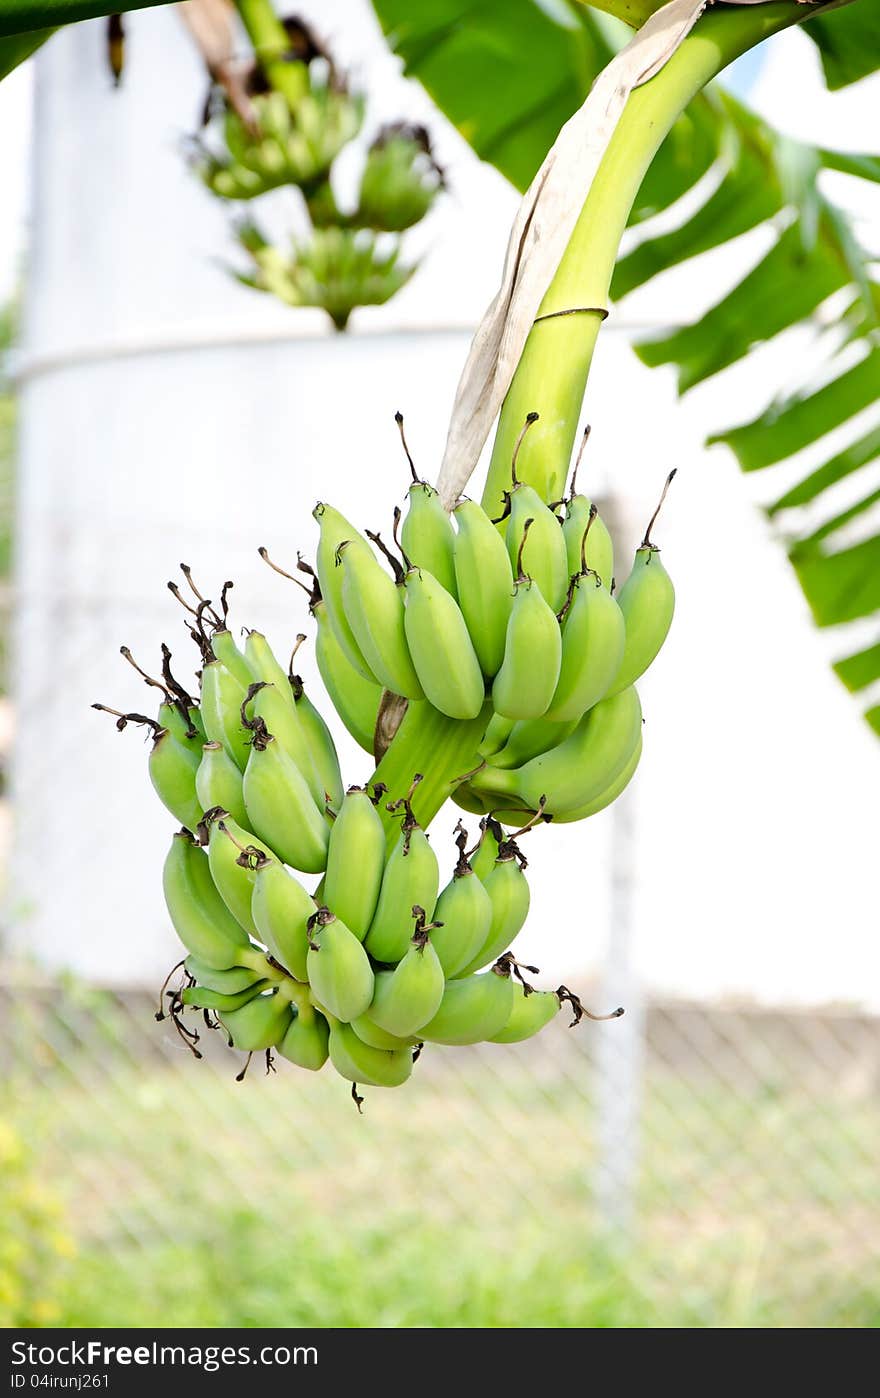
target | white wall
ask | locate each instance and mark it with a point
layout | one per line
(169, 415)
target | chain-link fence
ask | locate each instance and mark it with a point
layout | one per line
(742, 1188)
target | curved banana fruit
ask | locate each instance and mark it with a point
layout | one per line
(579, 769)
(339, 969)
(260, 1024)
(281, 809)
(355, 861)
(530, 737)
(427, 536)
(529, 1015)
(374, 608)
(264, 666)
(509, 896)
(228, 982)
(370, 1033)
(472, 1009)
(441, 649)
(599, 552)
(491, 835)
(232, 851)
(306, 1042)
(485, 583)
(201, 919)
(411, 879)
(368, 1067)
(593, 639)
(355, 699)
(525, 684)
(282, 719)
(335, 530)
(204, 999)
(498, 730)
(321, 746)
(187, 729)
(222, 697)
(281, 909)
(610, 793)
(407, 997)
(227, 652)
(218, 783)
(542, 555)
(463, 916)
(173, 766)
(647, 601)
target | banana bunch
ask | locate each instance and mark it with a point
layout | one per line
(517, 614)
(290, 134)
(401, 179)
(283, 144)
(336, 269)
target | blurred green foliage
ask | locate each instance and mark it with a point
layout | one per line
(34, 1239)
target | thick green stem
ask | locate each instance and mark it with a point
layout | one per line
(552, 373)
(271, 46)
(441, 749)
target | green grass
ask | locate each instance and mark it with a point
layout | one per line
(464, 1199)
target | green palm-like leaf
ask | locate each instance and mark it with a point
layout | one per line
(537, 59)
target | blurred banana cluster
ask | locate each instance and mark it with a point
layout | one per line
(284, 123)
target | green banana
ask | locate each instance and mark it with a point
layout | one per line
(325, 758)
(227, 652)
(529, 737)
(462, 917)
(232, 851)
(374, 608)
(531, 1012)
(472, 1009)
(231, 981)
(610, 793)
(411, 878)
(279, 713)
(355, 861)
(543, 556)
(173, 766)
(186, 727)
(509, 896)
(218, 782)
(222, 698)
(260, 1024)
(204, 999)
(647, 600)
(498, 730)
(491, 836)
(526, 682)
(407, 997)
(306, 1040)
(579, 513)
(485, 583)
(593, 640)
(370, 1033)
(201, 919)
(281, 908)
(355, 699)
(366, 1066)
(281, 809)
(579, 769)
(335, 530)
(427, 536)
(264, 666)
(339, 969)
(440, 646)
